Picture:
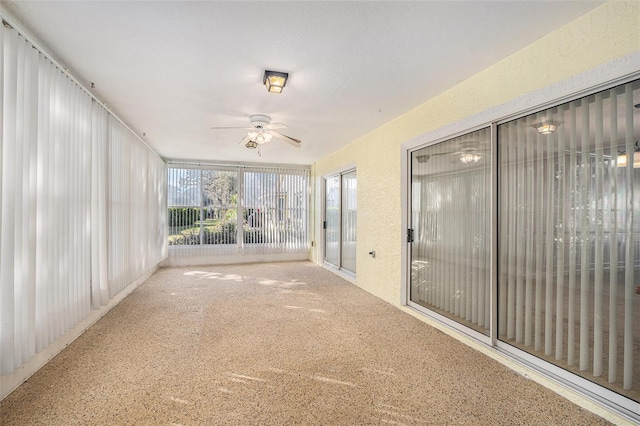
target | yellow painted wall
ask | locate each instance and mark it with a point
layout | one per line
(609, 32)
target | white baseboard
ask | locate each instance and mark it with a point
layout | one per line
(9, 382)
(235, 258)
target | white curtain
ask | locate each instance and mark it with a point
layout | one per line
(45, 211)
(99, 258)
(570, 238)
(76, 185)
(136, 207)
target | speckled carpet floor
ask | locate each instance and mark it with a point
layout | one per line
(273, 344)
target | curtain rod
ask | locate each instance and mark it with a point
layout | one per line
(9, 22)
(235, 164)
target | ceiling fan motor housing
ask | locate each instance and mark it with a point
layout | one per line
(469, 146)
(259, 121)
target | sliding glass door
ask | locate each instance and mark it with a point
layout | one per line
(565, 245)
(450, 217)
(340, 221)
(570, 234)
(348, 223)
(332, 221)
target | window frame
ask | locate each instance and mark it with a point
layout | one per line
(278, 171)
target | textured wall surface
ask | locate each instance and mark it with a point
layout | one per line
(604, 35)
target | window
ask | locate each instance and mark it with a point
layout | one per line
(202, 206)
(238, 206)
(275, 208)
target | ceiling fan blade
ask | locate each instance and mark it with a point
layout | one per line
(274, 126)
(225, 128)
(439, 154)
(293, 141)
(245, 140)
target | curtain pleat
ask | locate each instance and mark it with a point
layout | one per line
(57, 223)
(9, 347)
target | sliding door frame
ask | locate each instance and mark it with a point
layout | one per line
(407, 223)
(322, 247)
(619, 404)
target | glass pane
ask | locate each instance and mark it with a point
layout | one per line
(220, 198)
(184, 198)
(184, 225)
(450, 255)
(291, 211)
(183, 187)
(569, 237)
(275, 210)
(349, 211)
(260, 195)
(332, 218)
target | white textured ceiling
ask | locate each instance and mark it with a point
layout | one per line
(174, 69)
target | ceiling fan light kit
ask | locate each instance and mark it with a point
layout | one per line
(275, 80)
(259, 136)
(470, 157)
(623, 158)
(470, 152)
(546, 128)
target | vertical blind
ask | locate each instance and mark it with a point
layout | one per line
(450, 205)
(135, 207)
(569, 244)
(349, 213)
(261, 210)
(82, 205)
(278, 200)
(332, 243)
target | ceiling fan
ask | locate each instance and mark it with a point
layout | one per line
(469, 152)
(261, 131)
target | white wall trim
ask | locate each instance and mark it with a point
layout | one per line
(237, 258)
(339, 170)
(342, 273)
(619, 70)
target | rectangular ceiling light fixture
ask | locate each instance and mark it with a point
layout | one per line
(623, 158)
(275, 81)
